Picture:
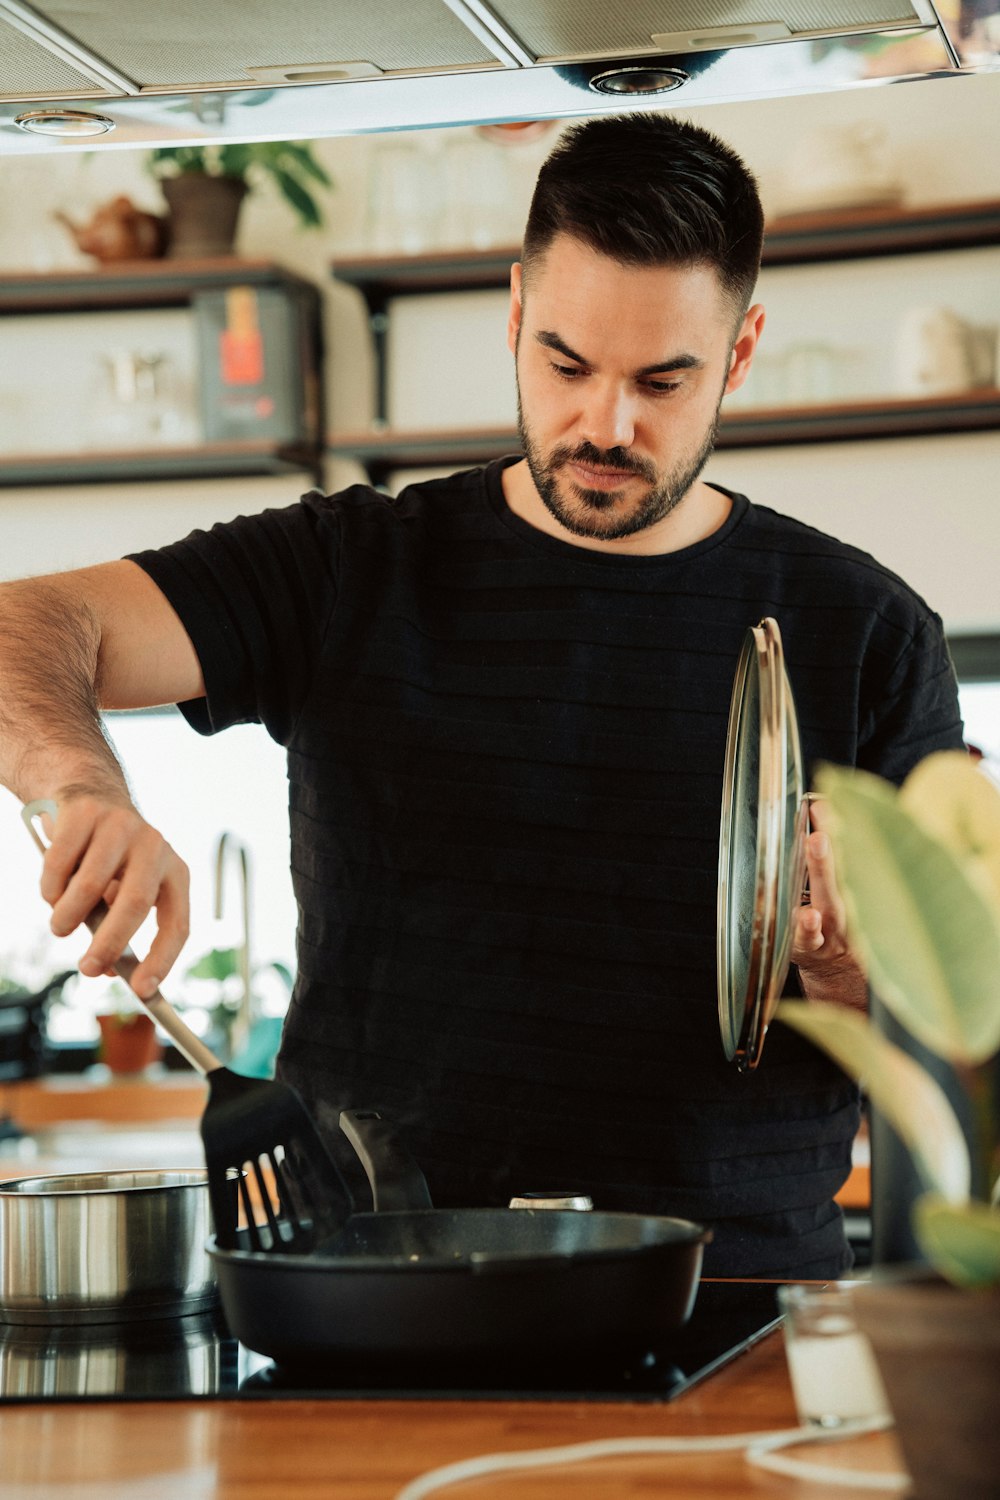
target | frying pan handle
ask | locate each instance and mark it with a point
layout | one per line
(397, 1183)
(190, 1046)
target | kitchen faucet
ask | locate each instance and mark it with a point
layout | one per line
(245, 1014)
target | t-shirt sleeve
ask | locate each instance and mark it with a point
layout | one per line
(914, 708)
(255, 595)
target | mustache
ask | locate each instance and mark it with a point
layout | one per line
(603, 458)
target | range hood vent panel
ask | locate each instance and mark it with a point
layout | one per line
(24, 60)
(317, 68)
(563, 29)
(179, 44)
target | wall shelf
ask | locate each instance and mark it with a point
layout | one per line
(793, 240)
(971, 411)
(279, 395)
(139, 283)
(879, 417)
(206, 461)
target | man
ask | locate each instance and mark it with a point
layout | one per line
(504, 700)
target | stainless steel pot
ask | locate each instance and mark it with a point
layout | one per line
(104, 1247)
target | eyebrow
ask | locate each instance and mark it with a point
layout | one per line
(679, 362)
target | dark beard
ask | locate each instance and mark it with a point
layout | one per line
(589, 516)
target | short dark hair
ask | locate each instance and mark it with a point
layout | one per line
(646, 190)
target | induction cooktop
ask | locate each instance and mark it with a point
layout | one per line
(195, 1357)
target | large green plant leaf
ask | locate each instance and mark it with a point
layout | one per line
(962, 1242)
(930, 935)
(958, 803)
(913, 1103)
(217, 963)
(307, 163)
(300, 199)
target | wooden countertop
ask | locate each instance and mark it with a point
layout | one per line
(97, 1094)
(363, 1450)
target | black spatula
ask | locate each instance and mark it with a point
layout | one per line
(262, 1149)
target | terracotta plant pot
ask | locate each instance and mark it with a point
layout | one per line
(128, 1043)
(203, 214)
(938, 1351)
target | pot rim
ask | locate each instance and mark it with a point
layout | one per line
(103, 1184)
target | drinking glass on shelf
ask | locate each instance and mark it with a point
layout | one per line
(403, 199)
(766, 385)
(811, 374)
(136, 404)
(476, 182)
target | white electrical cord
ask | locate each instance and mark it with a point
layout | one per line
(759, 1447)
(762, 1454)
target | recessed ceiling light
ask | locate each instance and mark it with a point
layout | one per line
(638, 80)
(64, 122)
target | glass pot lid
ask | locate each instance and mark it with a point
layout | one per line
(761, 845)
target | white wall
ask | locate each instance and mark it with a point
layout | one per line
(49, 529)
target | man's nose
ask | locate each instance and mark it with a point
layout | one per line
(608, 417)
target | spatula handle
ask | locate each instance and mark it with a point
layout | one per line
(201, 1058)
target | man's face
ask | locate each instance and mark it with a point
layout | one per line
(620, 372)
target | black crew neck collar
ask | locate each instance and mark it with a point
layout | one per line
(554, 546)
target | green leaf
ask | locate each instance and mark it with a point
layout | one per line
(297, 196)
(235, 158)
(179, 159)
(963, 1243)
(958, 803)
(308, 164)
(913, 1103)
(218, 963)
(284, 972)
(930, 935)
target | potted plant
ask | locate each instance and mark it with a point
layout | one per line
(920, 872)
(205, 186)
(128, 1036)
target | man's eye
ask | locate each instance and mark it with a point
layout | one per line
(662, 387)
(568, 372)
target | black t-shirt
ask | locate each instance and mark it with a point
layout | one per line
(505, 759)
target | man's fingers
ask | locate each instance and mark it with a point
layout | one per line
(145, 885)
(808, 937)
(824, 893)
(173, 918)
(103, 850)
(87, 831)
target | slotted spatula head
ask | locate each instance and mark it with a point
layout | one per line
(265, 1155)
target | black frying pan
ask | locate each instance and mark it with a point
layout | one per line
(411, 1283)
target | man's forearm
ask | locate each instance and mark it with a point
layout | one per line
(51, 739)
(67, 643)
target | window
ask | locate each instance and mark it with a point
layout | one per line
(191, 788)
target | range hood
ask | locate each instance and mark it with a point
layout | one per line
(198, 70)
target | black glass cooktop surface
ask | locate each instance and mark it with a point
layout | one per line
(195, 1357)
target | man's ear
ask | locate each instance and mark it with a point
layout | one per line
(743, 349)
(514, 318)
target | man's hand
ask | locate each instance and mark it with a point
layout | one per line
(101, 849)
(828, 967)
